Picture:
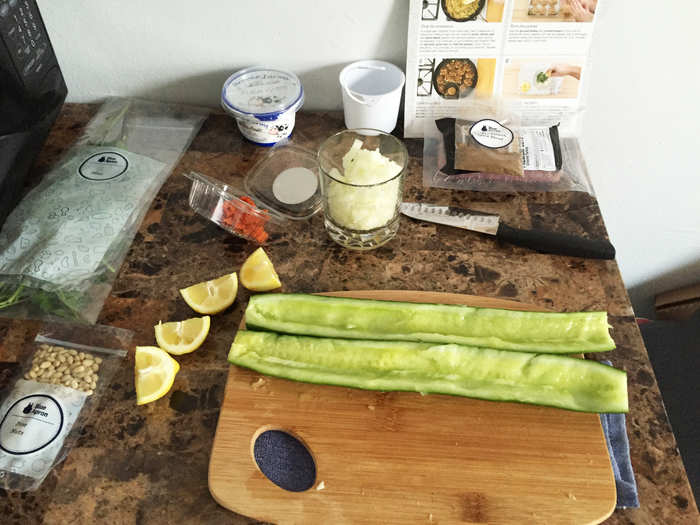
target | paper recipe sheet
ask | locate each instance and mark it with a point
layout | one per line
(533, 53)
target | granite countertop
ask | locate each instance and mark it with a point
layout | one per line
(149, 464)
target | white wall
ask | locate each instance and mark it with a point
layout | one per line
(641, 127)
(641, 139)
(178, 50)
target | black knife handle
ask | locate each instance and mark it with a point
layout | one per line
(557, 243)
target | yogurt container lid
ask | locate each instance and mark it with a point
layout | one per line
(261, 92)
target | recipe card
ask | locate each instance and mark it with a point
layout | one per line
(533, 53)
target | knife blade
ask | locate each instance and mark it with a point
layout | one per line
(539, 240)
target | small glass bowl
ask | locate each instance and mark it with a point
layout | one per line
(361, 216)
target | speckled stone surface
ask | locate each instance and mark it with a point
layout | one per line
(149, 464)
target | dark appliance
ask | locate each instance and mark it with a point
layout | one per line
(32, 91)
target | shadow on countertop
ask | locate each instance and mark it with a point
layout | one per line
(674, 350)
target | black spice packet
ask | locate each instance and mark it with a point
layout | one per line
(447, 128)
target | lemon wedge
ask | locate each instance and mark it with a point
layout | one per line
(154, 373)
(258, 274)
(525, 87)
(212, 297)
(182, 337)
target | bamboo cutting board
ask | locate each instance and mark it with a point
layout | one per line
(400, 457)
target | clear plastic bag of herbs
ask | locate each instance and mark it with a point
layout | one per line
(62, 245)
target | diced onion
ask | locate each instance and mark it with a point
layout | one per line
(369, 207)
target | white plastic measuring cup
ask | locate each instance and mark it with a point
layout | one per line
(371, 94)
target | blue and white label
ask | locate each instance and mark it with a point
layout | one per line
(267, 131)
(262, 91)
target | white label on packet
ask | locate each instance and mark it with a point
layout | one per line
(537, 149)
(35, 419)
(103, 165)
(491, 134)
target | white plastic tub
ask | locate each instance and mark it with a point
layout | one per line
(371, 94)
(264, 102)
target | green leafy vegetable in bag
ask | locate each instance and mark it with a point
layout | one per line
(61, 246)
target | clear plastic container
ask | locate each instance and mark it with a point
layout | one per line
(232, 209)
(286, 180)
(283, 186)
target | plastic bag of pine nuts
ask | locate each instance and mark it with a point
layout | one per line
(43, 410)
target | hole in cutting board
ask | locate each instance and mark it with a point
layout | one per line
(284, 460)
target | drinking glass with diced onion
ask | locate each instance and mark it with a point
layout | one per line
(362, 174)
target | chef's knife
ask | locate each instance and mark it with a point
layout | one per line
(542, 241)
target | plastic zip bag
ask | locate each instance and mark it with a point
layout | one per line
(540, 151)
(439, 172)
(42, 412)
(62, 245)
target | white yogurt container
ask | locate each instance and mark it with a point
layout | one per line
(264, 102)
